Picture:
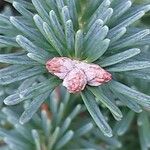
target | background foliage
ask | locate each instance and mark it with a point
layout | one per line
(63, 121)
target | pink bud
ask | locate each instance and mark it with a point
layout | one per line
(77, 74)
(75, 81)
(60, 66)
(96, 75)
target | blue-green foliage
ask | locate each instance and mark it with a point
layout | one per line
(101, 31)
